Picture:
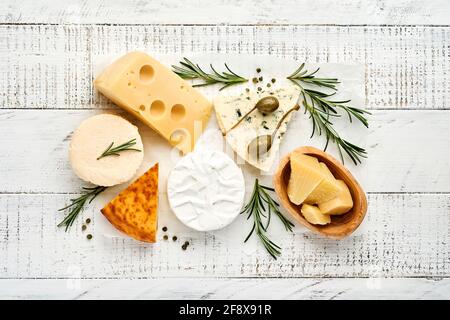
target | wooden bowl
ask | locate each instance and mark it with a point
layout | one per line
(341, 225)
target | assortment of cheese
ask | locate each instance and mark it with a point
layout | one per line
(206, 188)
(313, 186)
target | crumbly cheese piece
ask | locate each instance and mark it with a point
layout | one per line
(339, 205)
(206, 190)
(92, 138)
(313, 215)
(158, 97)
(326, 190)
(306, 175)
(230, 109)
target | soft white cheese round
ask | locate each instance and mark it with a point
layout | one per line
(206, 190)
(92, 138)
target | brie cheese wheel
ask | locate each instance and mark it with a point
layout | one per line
(230, 109)
(206, 190)
(92, 138)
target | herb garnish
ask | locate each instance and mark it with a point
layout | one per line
(87, 195)
(261, 206)
(189, 70)
(321, 108)
(110, 151)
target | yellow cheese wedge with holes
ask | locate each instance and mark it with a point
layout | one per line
(313, 215)
(339, 205)
(158, 97)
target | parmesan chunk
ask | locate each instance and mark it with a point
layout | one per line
(339, 205)
(313, 215)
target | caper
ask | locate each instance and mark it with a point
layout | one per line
(267, 104)
(260, 145)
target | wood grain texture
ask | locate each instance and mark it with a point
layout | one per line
(51, 66)
(226, 11)
(228, 289)
(408, 151)
(402, 236)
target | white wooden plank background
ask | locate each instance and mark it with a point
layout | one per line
(402, 250)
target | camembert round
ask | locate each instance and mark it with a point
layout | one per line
(206, 190)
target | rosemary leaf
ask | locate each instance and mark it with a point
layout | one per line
(190, 71)
(321, 109)
(76, 206)
(261, 205)
(114, 151)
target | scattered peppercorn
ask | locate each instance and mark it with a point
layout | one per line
(164, 229)
(186, 243)
(273, 80)
(259, 88)
(269, 85)
(174, 238)
(83, 227)
(260, 79)
(258, 70)
(166, 237)
(88, 220)
(247, 89)
(255, 80)
(183, 247)
(89, 236)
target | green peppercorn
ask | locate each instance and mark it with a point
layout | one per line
(88, 220)
(273, 80)
(83, 227)
(166, 237)
(258, 70)
(269, 85)
(255, 80)
(89, 236)
(174, 238)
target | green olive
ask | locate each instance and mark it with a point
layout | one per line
(267, 104)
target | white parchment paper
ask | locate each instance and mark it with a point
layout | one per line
(352, 86)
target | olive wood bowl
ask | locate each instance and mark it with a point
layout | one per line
(341, 225)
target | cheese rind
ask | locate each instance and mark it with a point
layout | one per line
(313, 215)
(306, 175)
(158, 97)
(231, 109)
(339, 205)
(326, 190)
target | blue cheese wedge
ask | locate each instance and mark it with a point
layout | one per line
(230, 109)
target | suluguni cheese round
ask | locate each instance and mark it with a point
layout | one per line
(206, 190)
(92, 138)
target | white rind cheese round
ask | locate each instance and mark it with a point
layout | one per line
(92, 138)
(206, 190)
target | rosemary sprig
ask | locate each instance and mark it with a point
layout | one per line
(189, 70)
(321, 108)
(77, 204)
(114, 151)
(261, 206)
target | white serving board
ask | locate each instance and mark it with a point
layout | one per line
(156, 149)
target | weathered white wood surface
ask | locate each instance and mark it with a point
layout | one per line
(408, 151)
(188, 288)
(433, 12)
(403, 235)
(47, 52)
(44, 66)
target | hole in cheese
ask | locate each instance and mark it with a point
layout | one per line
(146, 73)
(157, 108)
(142, 107)
(178, 112)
